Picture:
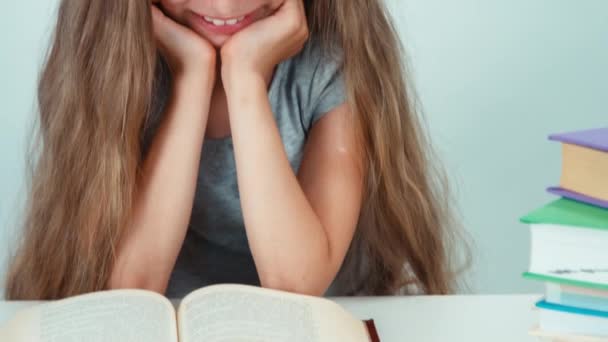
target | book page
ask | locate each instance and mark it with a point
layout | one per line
(247, 313)
(569, 253)
(115, 315)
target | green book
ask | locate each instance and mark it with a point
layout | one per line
(562, 252)
(569, 212)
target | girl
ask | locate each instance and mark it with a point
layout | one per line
(270, 142)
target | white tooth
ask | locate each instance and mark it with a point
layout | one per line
(209, 19)
(231, 21)
(218, 22)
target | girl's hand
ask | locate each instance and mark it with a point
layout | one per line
(259, 47)
(184, 49)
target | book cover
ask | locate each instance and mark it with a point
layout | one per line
(371, 330)
(577, 196)
(596, 138)
(569, 212)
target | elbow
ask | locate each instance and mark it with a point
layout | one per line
(309, 272)
(312, 277)
(294, 284)
(128, 279)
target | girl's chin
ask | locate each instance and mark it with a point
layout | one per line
(216, 40)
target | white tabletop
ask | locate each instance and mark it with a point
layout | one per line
(468, 318)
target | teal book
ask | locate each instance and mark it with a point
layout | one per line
(569, 320)
(563, 308)
(569, 244)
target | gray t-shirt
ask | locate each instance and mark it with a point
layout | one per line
(215, 250)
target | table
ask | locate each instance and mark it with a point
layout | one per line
(496, 318)
(468, 318)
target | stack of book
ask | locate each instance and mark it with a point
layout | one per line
(569, 243)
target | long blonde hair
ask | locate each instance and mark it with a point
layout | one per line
(94, 97)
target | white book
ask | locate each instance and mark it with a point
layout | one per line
(569, 253)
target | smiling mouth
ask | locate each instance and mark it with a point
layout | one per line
(218, 21)
(228, 26)
(221, 22)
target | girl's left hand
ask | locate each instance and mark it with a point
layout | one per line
(259, 47)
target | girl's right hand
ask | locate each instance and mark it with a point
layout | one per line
(184, 49)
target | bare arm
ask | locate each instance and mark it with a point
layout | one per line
(166, 189)
(300, 226)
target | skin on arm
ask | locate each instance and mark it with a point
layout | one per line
(331, 176)
(165, 190)
(299, 227)
(163, 204)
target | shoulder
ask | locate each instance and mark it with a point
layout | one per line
(317, 61)
(315, 77)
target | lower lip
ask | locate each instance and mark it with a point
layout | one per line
(224, 29)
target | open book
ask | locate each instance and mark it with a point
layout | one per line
(227, 312)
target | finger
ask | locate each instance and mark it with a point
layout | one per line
(293, 12)
(291, 9)
(157, 18)
(165, 28)
(159, 27)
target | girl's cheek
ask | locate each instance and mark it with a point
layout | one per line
(173, 8)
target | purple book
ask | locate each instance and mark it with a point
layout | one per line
(593, 138)
(577, 196)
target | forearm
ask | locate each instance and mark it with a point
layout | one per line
(165, 190)
(288, 242)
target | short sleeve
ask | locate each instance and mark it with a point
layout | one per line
(327, 89)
